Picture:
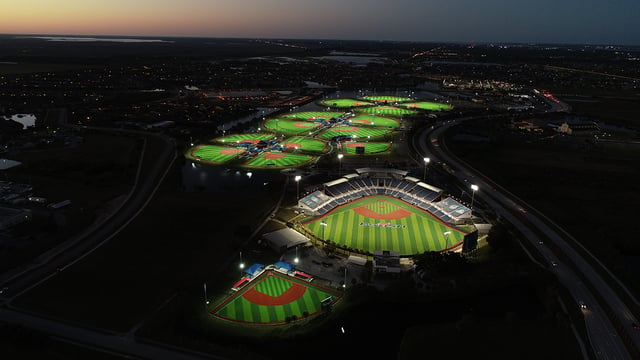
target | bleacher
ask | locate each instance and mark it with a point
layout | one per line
(409, 189)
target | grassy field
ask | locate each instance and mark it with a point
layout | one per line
(386, 110)
(349, 148)
(286, 297)
(344, 103)
(387, 98)
(384, 223)
(240, 138)
(428, 105)
(305, 144)
(357, 132)
(313, 115)
(279, 160)
(371, 120)
(290, 127)
(213, 154)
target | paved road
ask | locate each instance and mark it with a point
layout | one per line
(602, 333)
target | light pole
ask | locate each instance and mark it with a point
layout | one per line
(206, 301)
(340, 164)
(426, 162)
(297, 179)
(241, 263)
(295, 260)
(344, 284)
(323, 224)
(446, 239)
(474, 187)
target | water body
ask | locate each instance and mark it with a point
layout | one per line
(96, 39)
(27, 120)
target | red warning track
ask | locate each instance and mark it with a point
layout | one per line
(290, 295)
(302, 125)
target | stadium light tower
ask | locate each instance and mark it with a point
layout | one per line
(446, 239)
(340, 164)
(297, 179)
(474, 187)
(426, 162)
(241, 263)
(295, 260)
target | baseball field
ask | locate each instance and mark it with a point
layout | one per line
(344, 103)
(372, 120)
(384, 223)
(213, 154)
(290, 126)
(349, 147)
(272, 160)
(313, 115)
(387, 110)
(428, 105)
(305, 144)
(357, 132)
(272, 298)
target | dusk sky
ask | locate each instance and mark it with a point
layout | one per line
(547, 21)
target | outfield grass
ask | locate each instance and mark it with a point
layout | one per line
(286, 297)
(357, 132)
(213, 154)
(384, 223)
(386, 98)
(428, 105)
(240, 138)
(386, 110)
(279, 160)
(349, 147)
(313, 115)
(290, 126)
(344, 103)
(372, 120)
(305, 144)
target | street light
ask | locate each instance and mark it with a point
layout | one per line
(340, 164)
(297, 179)
(426, 162)
(323, 224)
(344, 284)
(474, 187)
(446, 239)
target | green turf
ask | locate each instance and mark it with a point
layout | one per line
(239, 138)
(290, 126)
(369, 147)
(386, 98)
(287, 160)
(313, 115)
(357, 132)
(238, 308)
(414, 234)
(386, 110)
(372, 120)
(344, 103)
(212, 153)
(305, 144)
(427, 105)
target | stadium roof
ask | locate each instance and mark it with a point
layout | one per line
(284, 238)
(381, 170)
(430, 187)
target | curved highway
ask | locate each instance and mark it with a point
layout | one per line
(603, 336)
